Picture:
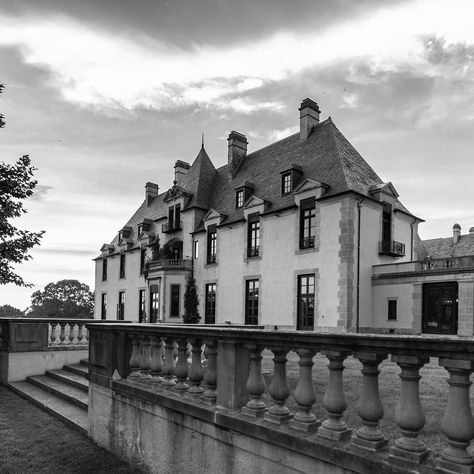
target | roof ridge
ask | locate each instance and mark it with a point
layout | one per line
(333, 128)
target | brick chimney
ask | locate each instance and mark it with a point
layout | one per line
(181, 169)
(237, 150)
(309, 117)
(151, 191)
(456, 233)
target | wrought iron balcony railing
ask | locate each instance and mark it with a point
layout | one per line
(392, 248)
(212, 258)
(253, 251)
(307, 242)
(171, 227)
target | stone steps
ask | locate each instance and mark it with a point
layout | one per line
(62, 393)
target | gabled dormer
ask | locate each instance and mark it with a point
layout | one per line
(254, 204)
(107, 249)
(380, 192)
(125, 236)
(213, 217)
(144, 229)
(309, 188)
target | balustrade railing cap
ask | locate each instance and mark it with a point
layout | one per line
(451, 347)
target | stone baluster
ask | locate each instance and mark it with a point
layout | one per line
(255, 383)
(457, 423)
(156, 364)
(145, 358)
(370, 407)
(181, 370)
(304, 393)
(72, 327)
(278, 389)
(53, 335)
(87, 335)
(80, 332)
(135, 357)
(62, 334)
(168, 364)
(334, 401)
(196, 373)
(210, 376)
(409, 414)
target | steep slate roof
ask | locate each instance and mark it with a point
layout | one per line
(199, 180)
(444, 247)
(325, 156)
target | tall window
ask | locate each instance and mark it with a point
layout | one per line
(387, 222)
(307, 223)
(104, 269)
(305, 320)
(103, 306)
(392, 310)
(177, 216)
(211, 244)
(251, 301)
(122, 266)
(196, 249)
(141, 307)
(142, 260)
(174, 301)
(286, 185)
(210, 315)
(239, 198)
(171, 218)
(154, 303)
(121, 306)
(253, 238)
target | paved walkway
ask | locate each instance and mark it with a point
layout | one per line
(34, 442)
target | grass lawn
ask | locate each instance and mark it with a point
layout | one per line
(433, 393)
(34, 442)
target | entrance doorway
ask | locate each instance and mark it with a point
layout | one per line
(440, 308)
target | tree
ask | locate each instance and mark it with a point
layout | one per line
(7, 311)
(63, 299)
(16, 184)
(191, 302)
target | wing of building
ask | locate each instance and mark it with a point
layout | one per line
(284, 236)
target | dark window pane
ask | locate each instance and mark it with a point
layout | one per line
(251, 302)
(210, 312)
(174, 304)
(305, 317)
(392, 309)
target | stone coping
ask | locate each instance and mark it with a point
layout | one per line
(449, 347)
(341, 454)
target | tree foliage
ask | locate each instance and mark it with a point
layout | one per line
(16, 184)
(191, 302)
(63, 299)
(7, 311)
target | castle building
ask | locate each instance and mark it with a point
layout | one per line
(285, 236)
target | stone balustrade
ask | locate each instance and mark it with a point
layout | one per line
(66, 332)
(222, 367)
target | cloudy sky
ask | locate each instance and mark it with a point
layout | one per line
(106, 95)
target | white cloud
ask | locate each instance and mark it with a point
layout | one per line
(275, 135)
(100, 69)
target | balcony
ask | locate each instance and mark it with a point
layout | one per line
(172, 227)
(253, 251)
(169, 264)
(391, 248)
(307, 242)
(450, 263)
(211, 259)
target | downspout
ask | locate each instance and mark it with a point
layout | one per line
(411, 246)
(359, 206)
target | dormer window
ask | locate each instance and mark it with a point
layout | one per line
(239, 198)
(286, 183)
(140, 229)
(289, 179)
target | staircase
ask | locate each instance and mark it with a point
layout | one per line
(63, 393)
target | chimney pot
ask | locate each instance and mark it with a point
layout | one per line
(237, 151)
(151, 191)
(309, 117)
(456, 233)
